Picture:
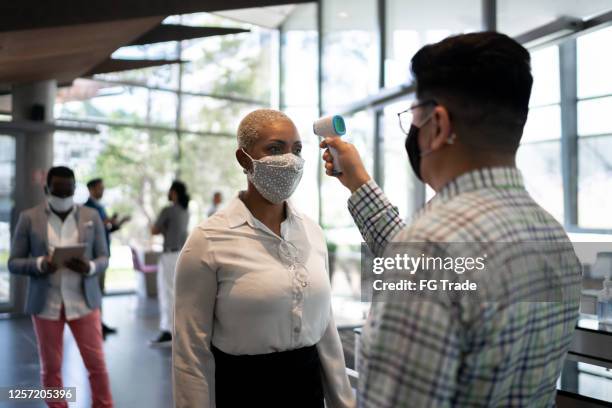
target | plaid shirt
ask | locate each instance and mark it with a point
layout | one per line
(424, 353)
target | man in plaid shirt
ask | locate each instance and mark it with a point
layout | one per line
(462, 135)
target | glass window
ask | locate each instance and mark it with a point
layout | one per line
(540, 164)
(594, 116)
(412, 24)
(594, 63)
(542, 124)
(539, 156)
(594, 175)
(299, 68)
(518, 16)
(203, 114)
(165, 76)
(399, 179)
(350, 52)
(7, 185)
(299, 89)
(306, 197)
(238, 64)
(545, 71)
(208, 164)
(360, 131)
(123, 104)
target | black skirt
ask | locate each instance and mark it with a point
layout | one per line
(287, 379)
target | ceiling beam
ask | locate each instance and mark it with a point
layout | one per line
(117, 65)
(174, 32)
(29, 14)
(64, 53)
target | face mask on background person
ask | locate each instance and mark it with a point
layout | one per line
(60, 204)
(276, 177)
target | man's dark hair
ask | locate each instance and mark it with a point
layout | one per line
(484, 80)
(93, 183)
(181, 191)
(59, 171)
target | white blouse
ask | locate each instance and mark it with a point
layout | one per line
(250, 291)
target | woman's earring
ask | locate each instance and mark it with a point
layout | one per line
(452, 138)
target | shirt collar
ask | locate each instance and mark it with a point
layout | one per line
(488, 177)
(237, 213)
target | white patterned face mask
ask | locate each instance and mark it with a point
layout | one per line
(276, 177)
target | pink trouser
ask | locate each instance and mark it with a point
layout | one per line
(87, 332)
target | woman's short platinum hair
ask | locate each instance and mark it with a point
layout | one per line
(251, 124)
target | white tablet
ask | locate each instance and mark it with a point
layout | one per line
(62, 254)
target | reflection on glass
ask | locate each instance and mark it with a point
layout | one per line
(540, 164)
(587, 380)
(7, 184)
(594, 175)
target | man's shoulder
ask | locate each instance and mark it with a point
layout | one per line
(91, 204)
(480, 215)
(33, 211)
(88, 212)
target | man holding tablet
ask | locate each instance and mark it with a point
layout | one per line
(61, 248)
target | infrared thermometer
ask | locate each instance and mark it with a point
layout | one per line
(331, 126)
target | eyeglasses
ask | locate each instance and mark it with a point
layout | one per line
(406, 117)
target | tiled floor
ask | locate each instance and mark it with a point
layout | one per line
(140, 376)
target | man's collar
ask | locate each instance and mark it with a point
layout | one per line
(237, 213)
(488, 177)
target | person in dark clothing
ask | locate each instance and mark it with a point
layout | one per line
(111, 224)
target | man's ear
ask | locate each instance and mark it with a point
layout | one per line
(442, 128)
(243, 160)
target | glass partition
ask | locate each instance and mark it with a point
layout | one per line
(7, 185)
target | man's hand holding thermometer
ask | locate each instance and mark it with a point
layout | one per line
(341, 155)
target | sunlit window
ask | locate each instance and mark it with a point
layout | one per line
(594, 129)
(539, 156)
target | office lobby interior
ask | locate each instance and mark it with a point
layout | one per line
(141, 94)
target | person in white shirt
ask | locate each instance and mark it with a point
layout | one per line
(253, 322)
(68, 293)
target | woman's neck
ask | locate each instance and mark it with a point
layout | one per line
(271, 215)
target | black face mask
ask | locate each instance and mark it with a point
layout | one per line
(413, 150)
